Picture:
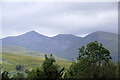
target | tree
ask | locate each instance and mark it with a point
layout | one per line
(95, 52)
(52, 70)
(18, 75)
(26, 71)
(119, 70)
(49, 70)
(108, 71)
(36, 74)
(5, 75)
(0, 71)
(93, 61)
(19, 67)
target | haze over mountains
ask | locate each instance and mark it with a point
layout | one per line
(63, 45)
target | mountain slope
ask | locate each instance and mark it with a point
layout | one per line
(63, 45)
(17, 50)
(28, 62)
(109, 41)
(37, 42)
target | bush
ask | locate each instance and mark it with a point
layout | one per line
(19, 67)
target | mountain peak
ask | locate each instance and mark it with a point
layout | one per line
(33, 32)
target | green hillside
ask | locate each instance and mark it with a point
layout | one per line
(23, 51)
(9, 61)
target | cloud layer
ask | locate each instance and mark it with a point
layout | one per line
(79, 18)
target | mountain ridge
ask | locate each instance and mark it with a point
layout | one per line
(62, 45)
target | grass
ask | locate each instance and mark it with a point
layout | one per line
(11, 60)
(23, 51)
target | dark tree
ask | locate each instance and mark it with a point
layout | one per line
(36, 74)
(27, 71)
(95, 52)
(18, 76)
(5, 75)
(19, 67)
(49, 70)
(93, 61)
(52, 70)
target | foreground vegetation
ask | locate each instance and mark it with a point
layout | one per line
(93, 61)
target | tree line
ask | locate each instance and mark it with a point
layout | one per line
(93, 61)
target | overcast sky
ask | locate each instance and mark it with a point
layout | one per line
(50, 19)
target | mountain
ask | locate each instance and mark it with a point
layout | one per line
(109, 41)
(62, 45)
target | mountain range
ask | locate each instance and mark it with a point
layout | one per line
(62, 45)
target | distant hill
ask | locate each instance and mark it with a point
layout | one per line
(63, 45)
(17, 50)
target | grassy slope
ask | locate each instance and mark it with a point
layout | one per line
(23, 51)
(11, 60)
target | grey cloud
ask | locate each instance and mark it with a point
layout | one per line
(54, 18)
